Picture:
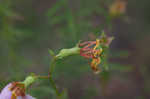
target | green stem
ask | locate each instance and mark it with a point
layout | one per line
(63, 53)
(52, 65)
(54, 86)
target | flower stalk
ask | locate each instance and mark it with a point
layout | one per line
(93, 50)
(62, 54)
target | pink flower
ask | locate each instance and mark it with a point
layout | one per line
(14, 90)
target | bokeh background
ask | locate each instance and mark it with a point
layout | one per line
(29, 28)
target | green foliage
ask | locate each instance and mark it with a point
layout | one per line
(74, 23)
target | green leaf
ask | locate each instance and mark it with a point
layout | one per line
(51, 52)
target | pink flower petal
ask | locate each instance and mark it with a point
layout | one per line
(6, 94)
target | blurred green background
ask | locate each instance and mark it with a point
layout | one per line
(29, 28)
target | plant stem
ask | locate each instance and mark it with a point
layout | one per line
(63, 53)
(52, 65)
(54, 86)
